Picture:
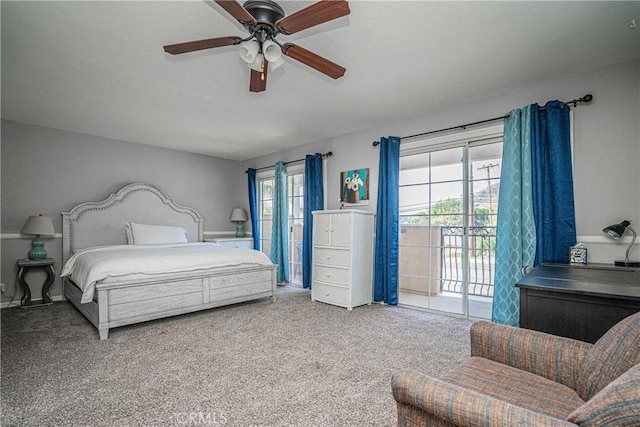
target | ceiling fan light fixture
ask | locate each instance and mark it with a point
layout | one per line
(273, 54)
(258, 63)
(271, 51)
(276, 64)
(249, 51)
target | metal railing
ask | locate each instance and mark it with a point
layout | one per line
(481, 243)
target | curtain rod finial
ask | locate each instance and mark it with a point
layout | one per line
(376, 143)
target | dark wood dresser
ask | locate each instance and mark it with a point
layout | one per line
(578, 301)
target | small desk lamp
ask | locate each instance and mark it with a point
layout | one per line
(615, 231)
(38, 225)
(239, 216)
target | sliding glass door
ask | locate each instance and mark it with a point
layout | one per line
(448, 205)
(295, 195)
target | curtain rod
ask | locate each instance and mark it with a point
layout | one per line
(327, 154)
(587, 98)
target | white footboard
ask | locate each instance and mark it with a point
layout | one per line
(127, 303)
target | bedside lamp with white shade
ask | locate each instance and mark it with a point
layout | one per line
(38, 225)
(239, 216)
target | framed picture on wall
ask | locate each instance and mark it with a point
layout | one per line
(354, 187)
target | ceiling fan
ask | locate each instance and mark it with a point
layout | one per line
(265, 20)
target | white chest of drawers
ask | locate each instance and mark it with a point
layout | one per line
(233, 242)
(342, 257)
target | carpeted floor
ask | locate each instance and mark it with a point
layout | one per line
(289, 363)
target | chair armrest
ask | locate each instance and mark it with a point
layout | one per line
(556, 358)
(459, 406)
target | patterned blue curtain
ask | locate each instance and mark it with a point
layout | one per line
(516, 234)
(253, 208)
(385, 284)
(552, 182)
(313, 201)
(280, 228)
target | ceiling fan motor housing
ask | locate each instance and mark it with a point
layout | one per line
(265, 12)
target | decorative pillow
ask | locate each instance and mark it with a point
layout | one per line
(146, 234)
(618, 404)
(611, 356)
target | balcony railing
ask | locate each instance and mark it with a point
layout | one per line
(482, 243)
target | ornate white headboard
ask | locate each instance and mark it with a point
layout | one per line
(103, 223)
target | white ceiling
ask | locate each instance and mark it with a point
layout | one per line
(99, 67)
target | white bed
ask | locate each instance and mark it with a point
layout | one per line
(124, 299)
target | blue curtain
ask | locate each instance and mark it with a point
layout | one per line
(253, 208)
(385, 284)
(280, 227)
(313, 201)
(552, 182)
(516, 234)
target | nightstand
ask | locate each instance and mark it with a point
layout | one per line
(24, 265)
(233, 242)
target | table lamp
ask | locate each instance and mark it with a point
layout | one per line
(239, 216)
(615, 231)
(38, 225)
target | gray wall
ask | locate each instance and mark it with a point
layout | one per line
(49, 171)
(606, 148)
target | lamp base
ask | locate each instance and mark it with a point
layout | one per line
(240, 230)
(37, 251)
(627, 263)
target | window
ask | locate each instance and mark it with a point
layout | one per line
(448, 206)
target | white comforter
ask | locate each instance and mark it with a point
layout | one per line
(88, 266)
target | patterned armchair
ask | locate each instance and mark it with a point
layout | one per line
(519, 377)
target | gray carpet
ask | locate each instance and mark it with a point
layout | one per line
(289, 363)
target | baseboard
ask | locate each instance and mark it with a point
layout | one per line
(34, 302)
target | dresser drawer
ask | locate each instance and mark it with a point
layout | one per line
(340, 276)
(330, 294)
(337, 257)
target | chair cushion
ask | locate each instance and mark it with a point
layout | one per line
(611, 356)
(515, 386)
(618, 404)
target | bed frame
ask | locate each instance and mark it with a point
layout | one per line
(102, 223)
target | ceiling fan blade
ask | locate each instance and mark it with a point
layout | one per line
(236, 10)
(176, 49)
(317, 13)
(258, 81)
(314, 61)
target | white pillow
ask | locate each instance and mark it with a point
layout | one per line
(146, 234)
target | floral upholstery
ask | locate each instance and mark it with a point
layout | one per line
(528, 378)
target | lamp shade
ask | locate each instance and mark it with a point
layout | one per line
(615, 231)
(238, 215)
(249, 51)
(258, 64)
(39, 225)
(271, 51)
